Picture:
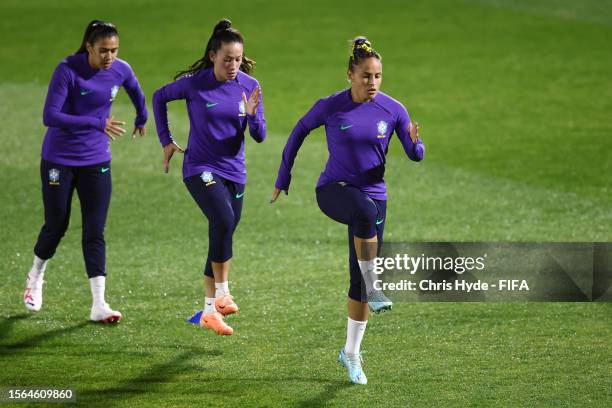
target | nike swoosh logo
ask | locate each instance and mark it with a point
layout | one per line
(344, 127)
(104, 169)
(378, 222)
(239, 195)
(86, 92)
(210, 105)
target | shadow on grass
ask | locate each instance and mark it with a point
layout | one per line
(326, 395)
(237, 386)
(162, 374)
(33, 341)
(6, 326)
(317, 400)
(157, 376)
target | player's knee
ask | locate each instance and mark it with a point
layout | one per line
(365, 213)
(223, 227)
(364, 222)
(93, 232)
(56, 230)
(93, 238)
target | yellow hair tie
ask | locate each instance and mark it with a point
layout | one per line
(366, 46)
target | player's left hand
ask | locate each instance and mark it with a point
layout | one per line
(140, 130)
(250, 105)
(413, 131)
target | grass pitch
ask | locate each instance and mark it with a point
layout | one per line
(514, 101)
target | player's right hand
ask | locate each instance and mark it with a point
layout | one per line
(276, 193)
(113, 128)
(250, 105)
(169, 150)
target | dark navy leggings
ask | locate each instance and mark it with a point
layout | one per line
(221, 202)
(365, 218)
(93, 185)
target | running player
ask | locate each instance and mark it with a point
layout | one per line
(215, 88)
(358, 123)
(76, 155)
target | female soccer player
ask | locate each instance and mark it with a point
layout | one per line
(76, 155)
(215, 88)
(359, 123)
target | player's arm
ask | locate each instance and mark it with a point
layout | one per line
(255, 114)
(171, 92)
(134, 91)
(408, 134)
(56, 97)
(314, 118)
(176, 90)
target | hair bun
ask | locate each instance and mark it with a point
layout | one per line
(361, 48)
(361, 42)
(224, 24)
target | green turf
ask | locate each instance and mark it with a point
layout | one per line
(514, 100)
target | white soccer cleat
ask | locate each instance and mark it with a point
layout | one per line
(32, 295)
(101, 312)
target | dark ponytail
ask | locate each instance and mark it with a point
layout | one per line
(222, 33)
(361, 49)
(95, 30)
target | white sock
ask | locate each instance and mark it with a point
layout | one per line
(354, 334)
(221, 288)
(97, 284)
(369, 277)
(38, 268)
(209, 305)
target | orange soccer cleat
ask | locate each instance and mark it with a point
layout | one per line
(225, 305)
(215, 322)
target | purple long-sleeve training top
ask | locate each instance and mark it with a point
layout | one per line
(358, 136)
(217, 120)
(78, 103)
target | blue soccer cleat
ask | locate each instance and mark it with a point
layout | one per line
(352, 362)
(378, 302)
(195, 319)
